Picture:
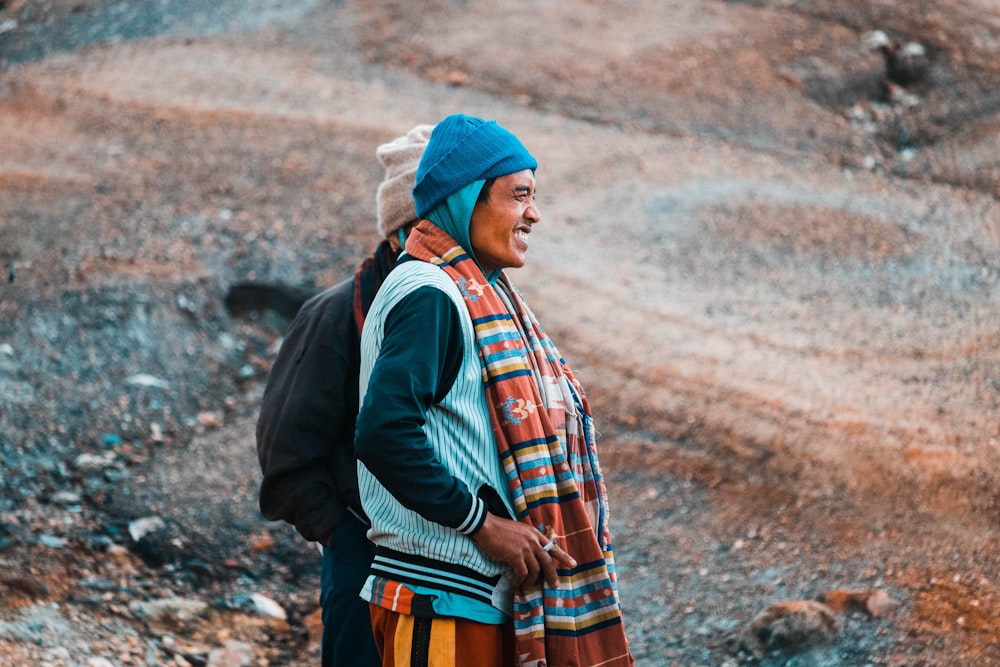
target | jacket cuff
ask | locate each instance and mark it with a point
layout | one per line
(475, 519)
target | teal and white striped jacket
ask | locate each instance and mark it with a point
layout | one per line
(428, 466)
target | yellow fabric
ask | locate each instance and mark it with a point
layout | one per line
(440, 653)
(442, 649)
(402, 641)
(454, 642)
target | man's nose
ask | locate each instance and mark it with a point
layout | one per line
(532, 213)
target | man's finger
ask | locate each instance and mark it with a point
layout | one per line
(549, 570)
(520, 574)
(535, 570)
(557, 554)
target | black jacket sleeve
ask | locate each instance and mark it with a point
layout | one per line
(305, 429)
(420, 358)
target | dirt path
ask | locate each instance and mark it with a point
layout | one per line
(778, 284)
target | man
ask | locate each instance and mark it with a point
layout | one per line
(305, 431)
(475, 443)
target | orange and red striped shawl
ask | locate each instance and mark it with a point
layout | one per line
(546, 441)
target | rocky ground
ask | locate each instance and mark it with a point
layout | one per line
(772, 261)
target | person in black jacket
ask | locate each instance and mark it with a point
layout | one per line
(305, 430)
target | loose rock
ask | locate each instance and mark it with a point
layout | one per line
(790, 627)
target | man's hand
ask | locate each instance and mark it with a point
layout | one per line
(527, 550)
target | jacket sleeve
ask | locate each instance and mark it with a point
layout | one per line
(306, 424)
(418, 362)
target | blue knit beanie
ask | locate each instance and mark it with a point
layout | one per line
(464, 149)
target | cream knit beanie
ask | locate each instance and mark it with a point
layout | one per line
(400, 158)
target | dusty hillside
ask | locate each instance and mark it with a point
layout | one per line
(774, 268)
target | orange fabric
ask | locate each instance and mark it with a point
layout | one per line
(394, 595)
(453, 642)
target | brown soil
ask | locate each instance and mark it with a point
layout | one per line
(775, 272)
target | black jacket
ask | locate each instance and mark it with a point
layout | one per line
(305, 431)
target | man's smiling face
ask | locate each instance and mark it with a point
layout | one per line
(500, 225)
